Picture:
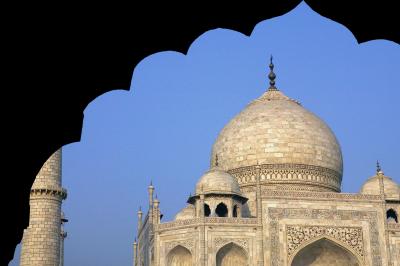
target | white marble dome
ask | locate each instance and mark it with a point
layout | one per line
(277, 131)
(188, 212)
(219, 182)
(372, 186)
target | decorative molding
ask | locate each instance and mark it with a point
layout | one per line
(226, 220)
(178, 223)
(58, 192)
(221, 241)
(299, 235)
(206, 220)
(393, 227)
(276, 214)
(268, 193)
(300, 174)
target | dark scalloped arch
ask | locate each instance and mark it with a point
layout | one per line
(59, 60)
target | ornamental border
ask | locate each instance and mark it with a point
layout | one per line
(288, 173)
(276, 214)
(50, 191)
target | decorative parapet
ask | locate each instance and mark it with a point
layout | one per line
(208, 221)
(301, 174)
(299, 236)
(268, 193)
(226, 220)
(58, 192)
(393, 227)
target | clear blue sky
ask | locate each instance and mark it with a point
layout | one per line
(163, 128)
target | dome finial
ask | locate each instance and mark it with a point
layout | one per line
(378, 168)
(271, 76)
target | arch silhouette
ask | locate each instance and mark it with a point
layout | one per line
(221, 210)
(391, 215)
(324, 251)
(231, 255)
(114, 70)
(179, 256)
(235, 211)
(207, 210)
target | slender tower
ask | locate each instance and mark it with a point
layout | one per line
(41, 240)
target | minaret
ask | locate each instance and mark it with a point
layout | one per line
(41, 241)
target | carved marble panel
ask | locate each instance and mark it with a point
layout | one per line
(350, 237)
(371, 217)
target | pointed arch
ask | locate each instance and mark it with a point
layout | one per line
(391, 216)
(179, 256)
(221, 210)
(232, 255)
(324, 251)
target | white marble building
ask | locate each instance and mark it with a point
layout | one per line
(272, 197)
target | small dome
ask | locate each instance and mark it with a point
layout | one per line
(217, 181)
(186, 213)
(372, 186)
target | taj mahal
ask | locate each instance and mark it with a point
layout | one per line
(272, 196)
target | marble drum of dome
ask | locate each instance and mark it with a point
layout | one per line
(290, 146)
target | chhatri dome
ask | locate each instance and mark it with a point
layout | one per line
(291, 145)
(381, 184)
(217, 181)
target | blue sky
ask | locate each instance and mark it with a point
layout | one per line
(164, 127)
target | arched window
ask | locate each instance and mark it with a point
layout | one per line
(207, 210)
(235, 211)
(391, 216)
(221, 210)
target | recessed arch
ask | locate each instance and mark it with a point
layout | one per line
(324, 251)
(221, 210)
(207, 210)
(179, 256)
(231, 255)
(235, 211)
(391, 216)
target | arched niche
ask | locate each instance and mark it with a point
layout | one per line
(231, 255)
(179, 256)
(221, 210)
(207, 210)
(235, 211)
(391, 216)
(324, 252)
